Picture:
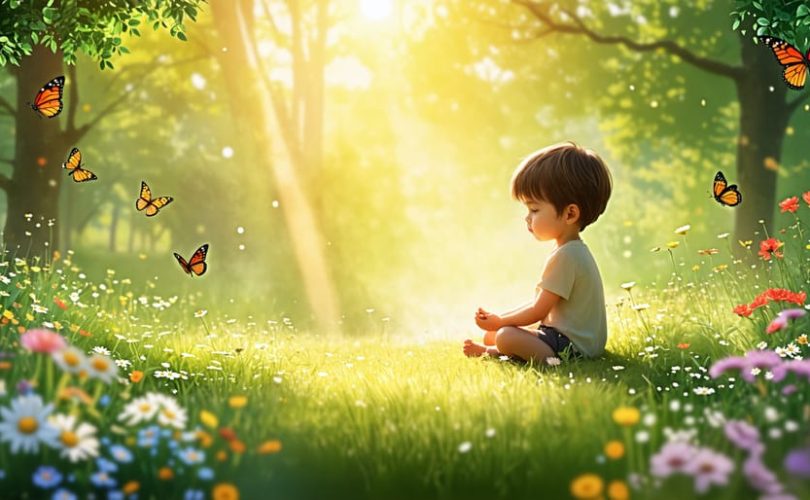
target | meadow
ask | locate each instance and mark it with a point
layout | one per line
(110, 389)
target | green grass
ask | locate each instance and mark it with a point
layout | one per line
(395, 416)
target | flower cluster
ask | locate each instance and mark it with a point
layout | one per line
(769, 295)
(791, 204)
(705, 465)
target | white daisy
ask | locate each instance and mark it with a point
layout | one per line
(102, 367)
(76, 442)
(140, 409)
(71, 360)
(25, 424)
(171, 414)
(101, 350)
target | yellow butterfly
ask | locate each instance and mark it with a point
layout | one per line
(723, 193)
(74, 167)
(151, 205)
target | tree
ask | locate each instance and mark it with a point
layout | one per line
(250, 89)
(37, 39)
(765, 108)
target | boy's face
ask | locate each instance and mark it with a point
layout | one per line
(543, 221)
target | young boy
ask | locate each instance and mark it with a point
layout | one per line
(565, 188)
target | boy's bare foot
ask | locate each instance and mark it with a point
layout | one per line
(473, 350)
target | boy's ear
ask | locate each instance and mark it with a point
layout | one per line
(571, 213)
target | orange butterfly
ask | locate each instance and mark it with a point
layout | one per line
(48, 101)
(725, 194)
(74, 166)
(196, 264)
(791, 59)
(151, 205)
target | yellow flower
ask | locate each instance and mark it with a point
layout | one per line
(270, 447)
(165, 474)
(8, 314)
(746, 243)
(802, 339)
(618, 490)
(614, 449)
(131, 487)
(225, 491)
(720, 268)
(209, 419)
(673, 244)
(237, 401)
(587, 486)
(695, 268)
(626, 415)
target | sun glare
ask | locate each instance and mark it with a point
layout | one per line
(376, 10)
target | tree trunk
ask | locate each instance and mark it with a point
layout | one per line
(38, 155)
(241, 71)
(116, 213)
(764, 114)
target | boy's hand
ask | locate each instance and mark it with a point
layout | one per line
(487, 321)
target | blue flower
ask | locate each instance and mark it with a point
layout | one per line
(205, 473)
(63, 494)
(194, 495)
(148, 437)
(104, 400)
(2, 474)
(103, 480)
(47, 477)
(115, 495)
(105, 465)
(190, 456)
(121, 453)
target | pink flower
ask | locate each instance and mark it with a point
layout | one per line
(709, 467)
(744, 435)
(778, 323)
(789, 204)
(671, 459)
(42, 340)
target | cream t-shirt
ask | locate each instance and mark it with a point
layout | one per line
(580, 314)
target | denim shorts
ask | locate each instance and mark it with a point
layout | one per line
(559, 343)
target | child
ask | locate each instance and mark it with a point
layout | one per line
(566, 188)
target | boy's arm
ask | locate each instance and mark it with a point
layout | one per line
(532, 312)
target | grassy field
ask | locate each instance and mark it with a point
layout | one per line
(258, 409)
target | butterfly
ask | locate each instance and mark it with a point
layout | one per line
(791, 59)
(151, 205)
(74, 166)
(48, 101)
(725, 194)
(196, 264)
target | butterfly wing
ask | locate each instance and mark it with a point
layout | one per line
(731, 197)
(197, 263)
(48, 101)
(145, 198)
(794, 63)
(719, 185)
(182, 263)
(74, 160)
(156, 204)
(83, 175)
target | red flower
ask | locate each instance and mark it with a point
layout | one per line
(770, 247)
(743, 310)
(60, 303)
(789, 204)
(806, 197)
(761, 300)
(780, 294)
(683, 345)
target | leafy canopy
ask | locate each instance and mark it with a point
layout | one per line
(94, 27)
(788, 20)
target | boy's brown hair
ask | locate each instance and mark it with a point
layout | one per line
(562, 174)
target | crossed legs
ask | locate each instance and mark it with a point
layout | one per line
(511, 341)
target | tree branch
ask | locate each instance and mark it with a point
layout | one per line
(4, 104)
(5, 183)
(579, 28)
(80, 132)
(795, 103)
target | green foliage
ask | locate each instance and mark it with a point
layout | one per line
(788, 20)
(95, 28)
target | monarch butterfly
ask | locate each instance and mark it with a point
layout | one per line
(725, 194)
(196, 264)
(791, 59)
(74, 166)
(48, 101)
(151, 205)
